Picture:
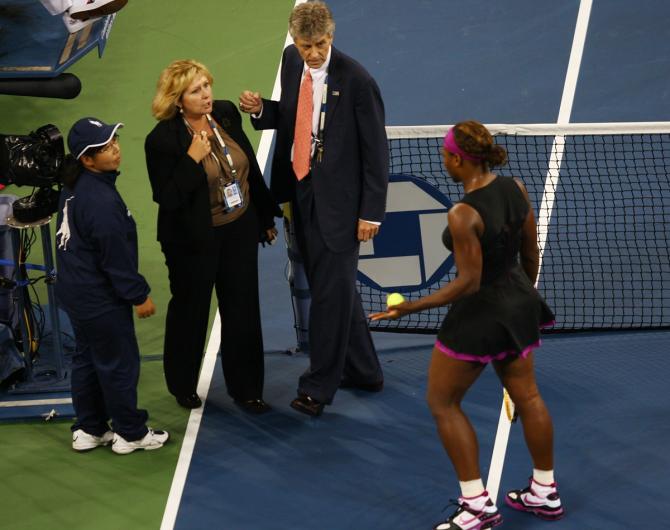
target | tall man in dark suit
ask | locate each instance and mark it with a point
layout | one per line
(331, 163)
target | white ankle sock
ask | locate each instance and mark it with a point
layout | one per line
(543, 477)
(472, 488)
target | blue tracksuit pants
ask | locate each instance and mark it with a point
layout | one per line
(105, 372)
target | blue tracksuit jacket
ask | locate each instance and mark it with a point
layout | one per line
(96, 249)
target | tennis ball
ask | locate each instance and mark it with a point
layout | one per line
(394, 299)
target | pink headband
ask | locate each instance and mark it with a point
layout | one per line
(451, 146)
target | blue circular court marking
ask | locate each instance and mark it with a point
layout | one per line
(408, 255)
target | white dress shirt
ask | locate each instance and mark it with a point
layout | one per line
(318, 82)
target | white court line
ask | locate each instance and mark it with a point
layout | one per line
(36, 402)
(209, 361)
(194, 419)
(544, 215)
(267, 136)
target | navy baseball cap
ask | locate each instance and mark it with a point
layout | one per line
(90, 132)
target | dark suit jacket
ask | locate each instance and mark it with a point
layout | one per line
(179, 184)
(351, 180)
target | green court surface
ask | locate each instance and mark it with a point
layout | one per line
(43, 483)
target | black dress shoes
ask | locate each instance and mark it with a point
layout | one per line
(191, 401)
(367, 387)
(307, 405)
(253, 406)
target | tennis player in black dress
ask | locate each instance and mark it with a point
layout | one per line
(495, 317)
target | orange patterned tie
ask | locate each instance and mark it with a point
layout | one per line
(302, 140)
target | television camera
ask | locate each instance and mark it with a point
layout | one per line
(35, 159)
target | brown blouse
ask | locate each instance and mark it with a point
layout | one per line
(216, 166)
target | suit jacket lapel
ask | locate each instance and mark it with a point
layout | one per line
(183, 136)
(292, 88)
(334, 86)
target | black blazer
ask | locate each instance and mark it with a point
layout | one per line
(179, 184)
(351, 180)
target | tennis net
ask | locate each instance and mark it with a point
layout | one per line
(601, 194)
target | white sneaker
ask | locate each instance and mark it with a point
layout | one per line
(85, 9)
(541, 500)
(472, 514)
(74, 25)
(152, 440)
(56, 7)
(82, 441)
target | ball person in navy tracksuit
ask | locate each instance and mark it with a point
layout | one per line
(98, 285)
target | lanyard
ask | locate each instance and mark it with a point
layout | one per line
(322, 116)
(219, 139)
(322, 121)
(223, 145)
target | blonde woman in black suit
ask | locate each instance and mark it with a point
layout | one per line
(214, 208)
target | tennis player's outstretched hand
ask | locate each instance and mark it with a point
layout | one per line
(392, 312)
(251, 102)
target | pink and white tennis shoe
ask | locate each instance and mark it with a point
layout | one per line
(541, 500)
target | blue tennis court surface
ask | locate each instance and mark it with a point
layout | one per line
(505, 62)
(375, 461)
(437, 62)
(624, 74)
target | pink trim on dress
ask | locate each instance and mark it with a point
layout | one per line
(484, 358)
(488, 358)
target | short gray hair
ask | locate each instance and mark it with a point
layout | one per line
(311, 20)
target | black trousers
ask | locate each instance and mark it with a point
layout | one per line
(105, 372)
(339, 337)
(228, 262)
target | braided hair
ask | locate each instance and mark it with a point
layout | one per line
(476, 140)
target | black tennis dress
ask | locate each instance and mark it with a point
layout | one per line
(503, 318)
